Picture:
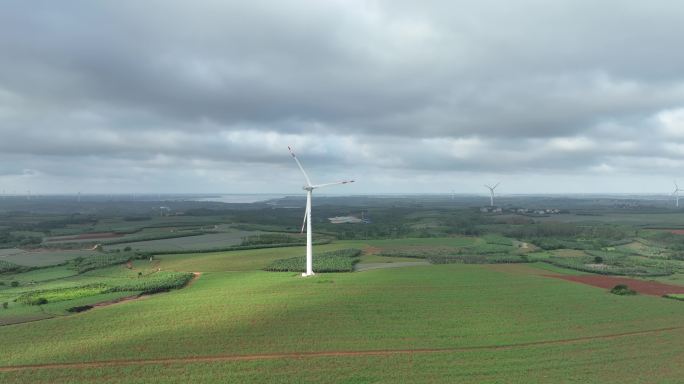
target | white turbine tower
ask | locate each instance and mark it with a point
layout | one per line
(676, 194)
(491, 193)
(308, 187)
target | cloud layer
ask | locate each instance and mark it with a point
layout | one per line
(175, 96)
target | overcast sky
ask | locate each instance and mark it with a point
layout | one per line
(403, 96)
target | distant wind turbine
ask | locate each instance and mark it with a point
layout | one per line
(676, 194)
(308, 187)
(491, 193)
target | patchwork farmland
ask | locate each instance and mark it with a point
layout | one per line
(510, 303)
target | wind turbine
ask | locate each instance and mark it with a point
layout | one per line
(308, 187)
(491, 193)
(676, 194)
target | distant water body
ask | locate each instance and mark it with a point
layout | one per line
(240, 199)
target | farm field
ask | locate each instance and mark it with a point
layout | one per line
(198, 242)
(450, 316)
(42, 257)
(434, 296)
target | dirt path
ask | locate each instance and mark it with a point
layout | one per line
(194, 279)
(300, 355)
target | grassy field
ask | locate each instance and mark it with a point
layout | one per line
(455, 319)
(429, 323)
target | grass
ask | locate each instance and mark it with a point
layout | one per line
(234, 309)
(446, 306)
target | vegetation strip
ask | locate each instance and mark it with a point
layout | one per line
(297, 355)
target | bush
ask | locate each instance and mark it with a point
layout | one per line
(41, 301)
(622, 290)
(14, 284)
(80, 308)
(598, 260)
(127, 249)
(5, 305)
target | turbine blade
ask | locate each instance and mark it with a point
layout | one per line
(306, 214)
(497, 184)
(308, 182)
(335, 183)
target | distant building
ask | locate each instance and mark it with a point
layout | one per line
(345, 220)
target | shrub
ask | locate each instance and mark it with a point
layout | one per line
(5, 305)
(598, 260)
(79, 308)
(622, 290)
(127, 249)
(41, 301)
(14, 284)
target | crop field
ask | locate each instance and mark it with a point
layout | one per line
(253, 259)
(433, 323)
(42, 257)
(435, 295)
(198, 242)
(49, 292)
(117, 224)
(342, 260)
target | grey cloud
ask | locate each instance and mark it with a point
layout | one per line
(162, 89)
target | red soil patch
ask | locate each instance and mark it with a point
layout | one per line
(641, 286)
(369, 250)
(676, 231)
